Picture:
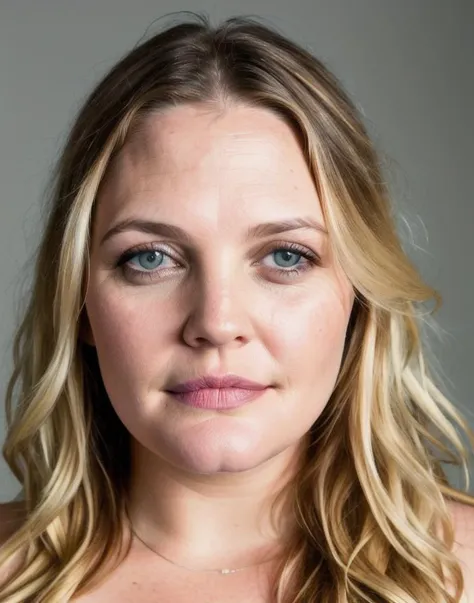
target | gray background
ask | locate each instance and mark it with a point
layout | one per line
(408, 64)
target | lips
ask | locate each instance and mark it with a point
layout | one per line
(217, 392)
(217, 382)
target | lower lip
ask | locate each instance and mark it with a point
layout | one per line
(218, 399)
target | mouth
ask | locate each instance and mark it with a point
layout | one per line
(218, 398)
(217, 392)
(217, 382)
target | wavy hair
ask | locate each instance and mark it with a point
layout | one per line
(372, 523)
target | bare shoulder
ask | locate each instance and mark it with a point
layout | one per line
(463, 523)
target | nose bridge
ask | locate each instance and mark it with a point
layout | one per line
(215, 294)
(217, 313)
(217, 299)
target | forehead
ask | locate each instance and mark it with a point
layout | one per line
(214, 163)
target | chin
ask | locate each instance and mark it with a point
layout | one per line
(224, 455)
(228, 465)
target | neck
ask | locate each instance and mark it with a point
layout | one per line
(224, 520)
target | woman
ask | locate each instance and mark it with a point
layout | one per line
(219, 388)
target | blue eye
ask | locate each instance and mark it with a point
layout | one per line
(150, 263)
(145, 263)
(149, 260)
(287, 256)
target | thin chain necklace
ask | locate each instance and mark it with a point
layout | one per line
(190, 569)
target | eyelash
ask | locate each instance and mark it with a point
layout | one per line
(312, 259)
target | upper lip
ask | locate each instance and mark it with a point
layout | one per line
(216, 382)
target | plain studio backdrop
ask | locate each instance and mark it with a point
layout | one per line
(407, 64)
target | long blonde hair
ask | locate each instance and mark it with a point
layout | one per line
(370, 498)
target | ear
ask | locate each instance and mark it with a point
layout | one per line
(85, 330)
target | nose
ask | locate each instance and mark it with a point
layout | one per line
(217, 316)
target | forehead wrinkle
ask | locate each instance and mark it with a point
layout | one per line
(238, 150)
(163, 140)
(123, 184)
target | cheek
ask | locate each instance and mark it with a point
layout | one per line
(130, 335)
(303, 327)
(300, 331)
(307, 338)
(306, 334)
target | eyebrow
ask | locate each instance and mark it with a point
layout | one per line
(175, 232)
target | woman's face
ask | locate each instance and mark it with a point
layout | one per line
(220, 296)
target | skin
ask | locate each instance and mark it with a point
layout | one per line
(203, 479)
